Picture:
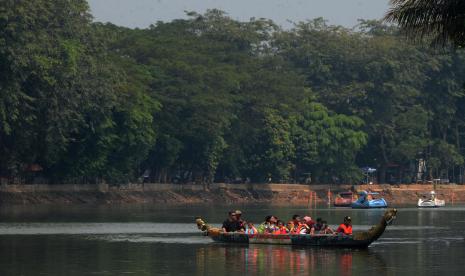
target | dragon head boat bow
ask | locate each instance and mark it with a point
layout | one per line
(360, 239)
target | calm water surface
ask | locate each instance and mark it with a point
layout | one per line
(157, 240)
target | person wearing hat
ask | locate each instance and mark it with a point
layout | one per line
(239, 219)
(346, 227)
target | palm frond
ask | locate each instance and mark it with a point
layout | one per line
(442, 20)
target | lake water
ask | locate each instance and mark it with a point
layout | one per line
(157, 240)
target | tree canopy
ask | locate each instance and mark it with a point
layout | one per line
(209, 98)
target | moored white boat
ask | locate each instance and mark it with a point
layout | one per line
(431, 202)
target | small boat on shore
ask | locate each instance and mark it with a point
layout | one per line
(431, 202)
(367, 200)
(344, 199)
(360, 239)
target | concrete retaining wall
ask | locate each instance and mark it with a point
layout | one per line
(215, 186)
(52, 188)
(286, 194)
(154, 187)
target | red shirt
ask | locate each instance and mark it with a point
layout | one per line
(346, 229)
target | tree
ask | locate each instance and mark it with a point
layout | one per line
(273, 153)
(209, 98)
(45, 69)
(327, 144)
(64, 104)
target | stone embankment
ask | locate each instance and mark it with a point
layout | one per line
(218, 193)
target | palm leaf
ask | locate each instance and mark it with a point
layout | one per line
(441, 20)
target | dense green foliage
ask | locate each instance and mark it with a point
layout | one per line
(64, 105)
(213, 99)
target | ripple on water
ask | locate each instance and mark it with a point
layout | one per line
(179, 239)
(138, 228)
(419, 240)
(94, 228)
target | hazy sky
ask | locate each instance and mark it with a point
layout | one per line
(142, 13)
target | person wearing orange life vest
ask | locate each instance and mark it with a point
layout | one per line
(346, 227)
(281, 229)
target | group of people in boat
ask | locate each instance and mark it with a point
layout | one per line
(273, 225)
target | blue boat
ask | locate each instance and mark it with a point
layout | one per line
(366, 201)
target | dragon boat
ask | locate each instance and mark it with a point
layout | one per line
(360, 239)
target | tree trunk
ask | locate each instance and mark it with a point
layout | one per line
(382, 174)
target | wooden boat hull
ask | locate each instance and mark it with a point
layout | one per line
(296, 240)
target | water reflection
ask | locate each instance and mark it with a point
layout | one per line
(282, 260)
(153, 240)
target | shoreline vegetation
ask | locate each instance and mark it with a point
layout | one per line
(210, 99)
(174, 194)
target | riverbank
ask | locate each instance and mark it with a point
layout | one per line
(173, 194)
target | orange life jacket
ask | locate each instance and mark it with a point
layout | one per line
(346, 229)
(281, 231)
